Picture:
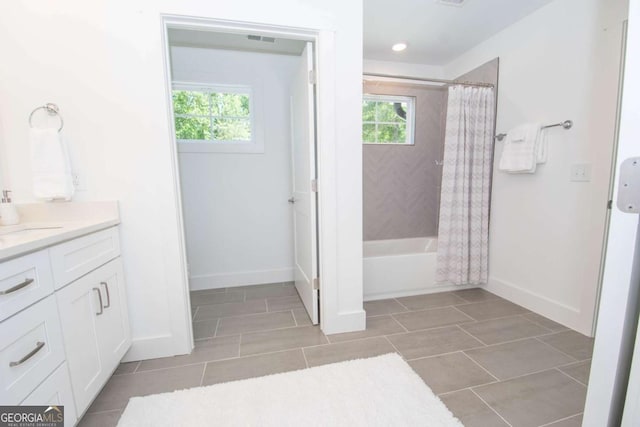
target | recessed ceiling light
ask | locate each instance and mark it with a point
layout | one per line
(399, 47)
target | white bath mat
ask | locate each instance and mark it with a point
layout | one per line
(381, 391)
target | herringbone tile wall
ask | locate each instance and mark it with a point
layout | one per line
(402, 183)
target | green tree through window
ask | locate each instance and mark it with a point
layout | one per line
(212, 114)
(387, 119)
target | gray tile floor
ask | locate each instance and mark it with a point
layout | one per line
(492, 362)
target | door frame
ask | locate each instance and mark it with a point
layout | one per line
(612, 177)
(324, 61)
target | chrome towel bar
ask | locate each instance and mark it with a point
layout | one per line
(567, 124)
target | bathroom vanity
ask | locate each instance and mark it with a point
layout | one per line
(64, 323)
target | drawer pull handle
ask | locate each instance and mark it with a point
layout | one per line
(39, 346)
(17, 287)
(99, 298)
(106, 288)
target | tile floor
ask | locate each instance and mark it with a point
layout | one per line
(492, 362)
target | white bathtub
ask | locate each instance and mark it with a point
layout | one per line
(400, 267)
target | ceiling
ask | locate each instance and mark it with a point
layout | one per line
(434, 32)
(213, 40)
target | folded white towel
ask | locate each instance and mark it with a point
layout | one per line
(520, 152)
(50, 166)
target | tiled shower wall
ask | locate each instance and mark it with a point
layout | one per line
(402, 182)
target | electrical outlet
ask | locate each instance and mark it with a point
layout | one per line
(581, 172)
(79, 181)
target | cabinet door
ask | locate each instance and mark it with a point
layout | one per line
(95, 324)
(80, 310)
(114, 336)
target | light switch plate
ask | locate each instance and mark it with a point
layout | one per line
(581, 172)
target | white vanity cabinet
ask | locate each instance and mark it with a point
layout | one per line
(64, 324)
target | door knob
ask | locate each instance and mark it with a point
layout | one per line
(292, 200)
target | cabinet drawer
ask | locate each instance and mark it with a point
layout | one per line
(30, 349)
(55, 391)
(24, 281)
(78, 257)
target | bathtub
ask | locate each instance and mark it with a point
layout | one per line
(400, 267)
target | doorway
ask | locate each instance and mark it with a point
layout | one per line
(243, 107)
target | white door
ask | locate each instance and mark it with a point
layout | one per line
(303, 200)
(631, 411)
(618, 313)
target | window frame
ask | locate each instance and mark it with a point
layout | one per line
(254, 145)
(410, 120)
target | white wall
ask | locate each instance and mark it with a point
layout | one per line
(403, 68)
(102, 62)
(561, 62)
(237, 220)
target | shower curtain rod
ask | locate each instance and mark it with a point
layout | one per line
(424, 79)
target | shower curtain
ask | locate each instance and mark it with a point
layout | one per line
(463, 233)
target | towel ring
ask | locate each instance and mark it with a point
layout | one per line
(52, 109)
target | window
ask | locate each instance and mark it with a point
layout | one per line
(213, 118)
(388, 119)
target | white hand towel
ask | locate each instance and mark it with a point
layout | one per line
(543, 147)
(50, 165)
(520, 151)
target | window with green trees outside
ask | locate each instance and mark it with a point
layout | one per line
(388, 119)
(212, 114)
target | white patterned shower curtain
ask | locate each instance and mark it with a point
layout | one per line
(463, 233)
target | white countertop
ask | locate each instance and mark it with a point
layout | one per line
(47, 224)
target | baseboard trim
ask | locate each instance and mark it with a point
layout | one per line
(151, 348)
(346, 322)
(554, 310)
(419, 291)
(230, 280)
